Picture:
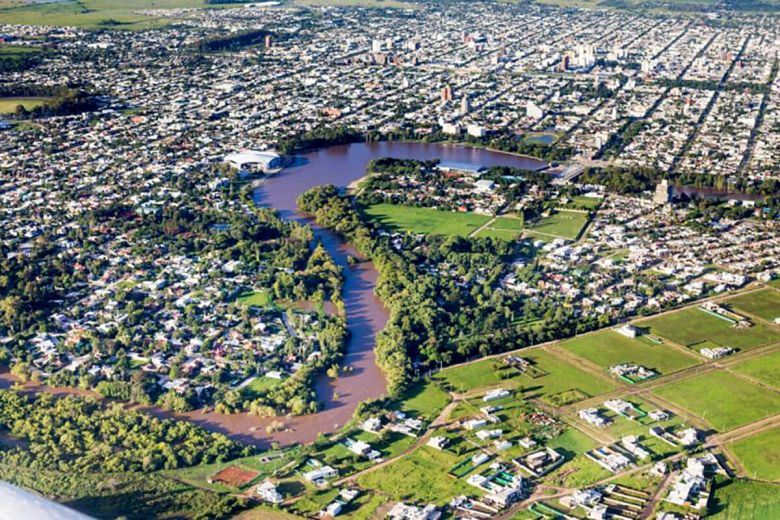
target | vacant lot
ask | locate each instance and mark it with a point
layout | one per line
(424, 220)
(721, 399)
(424, 400)
(609, 348)
(562, 224)
(764, 368)
(764, 304)
(742, 499)
(760, 454)
(420, 477)
(692, 325)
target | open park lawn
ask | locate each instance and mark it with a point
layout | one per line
(744, 499)
(692, 325)
(424, 220)
(764, 368)
(420, 478)
(8, 105)
(557, 378)
(561, 224)
(583, 202)
(764, 304)
(506, 228)
(760, 454)
(261, 298)
(721, 399)
(608, 348)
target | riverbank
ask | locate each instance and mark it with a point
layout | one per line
(366, 315)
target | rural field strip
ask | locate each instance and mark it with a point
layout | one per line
(542, 346)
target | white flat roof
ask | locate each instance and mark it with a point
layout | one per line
(252, 157)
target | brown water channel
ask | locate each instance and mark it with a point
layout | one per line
(366, 316)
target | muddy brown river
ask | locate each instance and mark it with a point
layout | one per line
(366, 316)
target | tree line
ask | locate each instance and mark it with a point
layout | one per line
(442, 294)
(62, 100)
(78, 434)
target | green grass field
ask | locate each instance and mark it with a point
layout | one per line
(505, 228)
(765, 368)
(561, 224)
(745, 500)
(420, 477)
(760, 454)
(7, 50)
(198, 475)
(560, 377)
(92, 14)
(261, 384)
(261, 298)
(8, 105)
(424, 220)
(764, 304)
(424, 399)
(582, 202)
(721, 399)
(571, 443)
(692, 325)
(608, 348)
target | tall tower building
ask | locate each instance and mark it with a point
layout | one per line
(663, 193)
(446, 94)
(465, 104)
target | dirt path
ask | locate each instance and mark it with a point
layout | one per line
(482, 227)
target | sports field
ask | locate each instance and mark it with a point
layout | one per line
(561, 224)
(764, 368)
(583, 202)
(506, 228)
(691, 325)
(424, 220)
(764, 304)
(721, 399)
(760, 454)
(608, 348)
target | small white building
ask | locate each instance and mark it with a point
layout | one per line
(268, 492)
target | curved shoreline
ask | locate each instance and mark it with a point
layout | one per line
(366, 316)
